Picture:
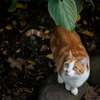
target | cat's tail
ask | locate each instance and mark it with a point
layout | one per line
(37, 33)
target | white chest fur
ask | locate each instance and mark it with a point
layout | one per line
(77, 80)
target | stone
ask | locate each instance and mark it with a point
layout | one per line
(94, 78)
(52, 90)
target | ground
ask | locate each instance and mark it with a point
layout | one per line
(24, 83)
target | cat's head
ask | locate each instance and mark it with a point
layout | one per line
(73, 67)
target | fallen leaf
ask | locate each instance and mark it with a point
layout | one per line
(97, 18)
(42, 20)
(50, 56)
(14, 22)
(29, 67)
(1, 30)
(98, 98)
(27, 90)
(86, 33)
(91, 94)
(55, 70)
(31, 62)
(44, 47)
(39, 77)
(17, 51)
(77, 25)
(93, 20)
(19, 5)
(32, 37)
(8, 27)
(46, 32)
(21, 60)
(23, 23)
(16, 72)
(78, 17)
(14, 63)
(2, 45)
(4, 52)
(42, 39)
(56, 23)
(84, 22)
(50, 65)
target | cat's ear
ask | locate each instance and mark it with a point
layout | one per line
(70, 55)
(84, 61)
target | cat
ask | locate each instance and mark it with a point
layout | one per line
(71, 57)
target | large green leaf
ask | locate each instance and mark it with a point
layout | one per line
(64, 12)
(13, 6)
(92, 3)
(79, 4)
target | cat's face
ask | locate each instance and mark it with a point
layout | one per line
(73, 67)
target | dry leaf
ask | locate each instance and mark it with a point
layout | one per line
(50, 56)
(1, 30)
(8, 27)
(56, 23)
(19, 5)
(14, 22)
(84, 22)
(17, 51)
(46, 32)
(50, 65)
(2, 45)
(21, 60)
(23, 23)
(86, 33)
(4, 52)
(93, 20)
(91, 94)
(31, 62)
(98, 98)
(27, 90)
(78, 17)
(42, 39)
(29, 67)
(14, 63)
(16, 72)
(44, 47)
(55, 70)
(77, 25)
(32, 37)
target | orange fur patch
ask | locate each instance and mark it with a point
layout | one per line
(61, 42)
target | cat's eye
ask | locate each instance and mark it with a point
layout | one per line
(66, 65)
(75, 68)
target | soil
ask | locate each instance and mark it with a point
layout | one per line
(16, 84)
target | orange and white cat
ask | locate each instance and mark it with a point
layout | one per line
(70, 55)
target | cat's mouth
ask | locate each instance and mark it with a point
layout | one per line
(67, 75)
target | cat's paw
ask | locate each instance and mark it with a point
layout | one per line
(67, 87)
(74, 91)
(60, 80)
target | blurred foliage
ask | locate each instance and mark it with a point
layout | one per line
(63, 12)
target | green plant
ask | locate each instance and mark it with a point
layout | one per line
(64, 12)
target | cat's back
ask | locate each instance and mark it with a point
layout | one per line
(63, 35)
(63, 40)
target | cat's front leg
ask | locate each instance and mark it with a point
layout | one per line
(60, 80)
(68, 87)
(74, 91)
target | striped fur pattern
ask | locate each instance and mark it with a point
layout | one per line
(70, 56)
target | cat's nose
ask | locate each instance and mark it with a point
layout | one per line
(67, 71)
